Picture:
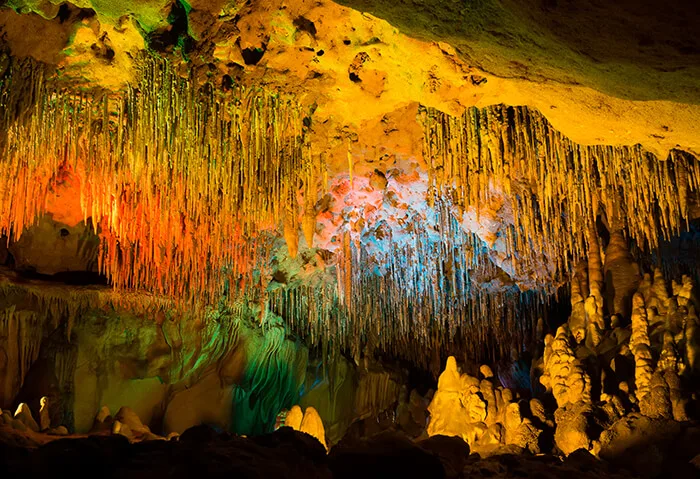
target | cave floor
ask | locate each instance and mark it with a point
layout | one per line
(202, 452)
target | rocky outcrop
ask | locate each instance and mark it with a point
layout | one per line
(563, 374)
(594, 303)
(482, 413)
(308, 422)
(640, 346)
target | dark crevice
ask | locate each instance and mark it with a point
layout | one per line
(251, 56)
(175, 34)
(73, 278)
(68, 13)
(305, 25)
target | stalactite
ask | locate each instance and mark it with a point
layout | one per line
(165, 168)
(20, 338)
(559, 187)
(183, 184)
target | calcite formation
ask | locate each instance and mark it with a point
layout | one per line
(563, 374)
(648, 374)
(308, 422)
(248, 214)
(480, 412)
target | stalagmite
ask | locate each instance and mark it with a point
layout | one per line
(659, 298)
(668, 359)
(691, 333)
(294, 418)
(308, 422)
(479, 412)
(594, 303)
(311, 424)
(686, 293)
(622, 276)
(639, 344)
(24, 414)
(44, 417)
(563, 374)
(579, 293)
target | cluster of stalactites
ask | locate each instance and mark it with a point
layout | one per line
(164, 168)
(395, 317)
(558, 187)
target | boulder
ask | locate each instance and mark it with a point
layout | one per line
(384, 455)
(639, 443)
(452, 451)
(24, 415)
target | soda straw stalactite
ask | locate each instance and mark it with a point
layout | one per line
(191, 190)
(168, 167)
(558, 187)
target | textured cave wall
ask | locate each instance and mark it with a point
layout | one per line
(173, 372)
(391, 113)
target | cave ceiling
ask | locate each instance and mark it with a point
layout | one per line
(364, 157)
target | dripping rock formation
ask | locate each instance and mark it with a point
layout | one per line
(350, 239)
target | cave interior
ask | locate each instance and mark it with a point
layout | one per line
(342, 239)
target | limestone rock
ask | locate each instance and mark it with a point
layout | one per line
(44, 418)
(311, 424)
(622, 276)
(640, 346)
(563, 374)
(669, 359)
(539, 413)
(58, 431)
(593, 305)
(665, 399)
(691, 334)
(458, 408)
(412, 415)
(103, 420)
(103, 414)
(127, 417)
(308, 422)
(294, 418)
(452, 452)
(657, 296)
(24, 414)
(122, 430)
(579, 291)
(639, 443)
(19, 425)
(486, 371)
(573, 426)
(527, 436)
(495, 435)
(6, 417)
(696, 462)
(71, 249)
